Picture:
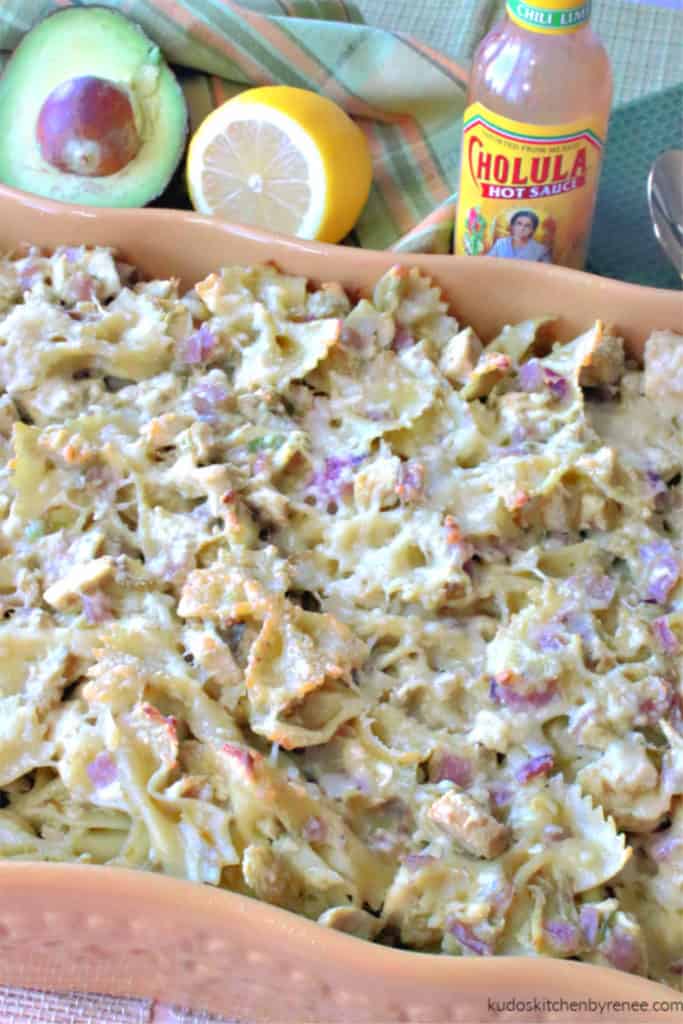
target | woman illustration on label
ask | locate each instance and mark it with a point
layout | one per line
(521, 245)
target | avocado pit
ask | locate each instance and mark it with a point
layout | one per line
(86, 126)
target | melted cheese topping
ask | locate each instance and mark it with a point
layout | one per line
(343, 607)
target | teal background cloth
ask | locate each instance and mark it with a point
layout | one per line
(623, 244)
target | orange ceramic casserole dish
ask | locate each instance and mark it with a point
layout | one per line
(67, 927)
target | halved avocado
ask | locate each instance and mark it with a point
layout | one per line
(90, 112)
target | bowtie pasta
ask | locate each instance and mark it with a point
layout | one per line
(327, 601)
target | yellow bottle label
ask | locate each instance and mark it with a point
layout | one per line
(526, 191)
(552, 17)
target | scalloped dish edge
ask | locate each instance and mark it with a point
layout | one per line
(75, 927)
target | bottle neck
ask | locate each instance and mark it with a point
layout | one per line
(549, 17)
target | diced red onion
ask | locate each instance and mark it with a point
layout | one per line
(403, 339)
(28, 276)
(652, 709)
(623, 951)
(96, 607)
(590, 921)
(102, 770)
(82, 287)
(531, 377)
(580, 624)
(663, 569)
(665, 637)
(199, 345)
(352, 338)
(550, 637)
(676, 967)
(599, 590)
(556, 384)
(410, 486)
(260, 463)
(72, 252)
(502, 694)
(335, 476)
(454, 769)
(564, 935)
(415, 861)
(315, 830)
(206, 396)
(540, 765)
(466, 937)
(656, 487)
(662, 845)
(500, 794)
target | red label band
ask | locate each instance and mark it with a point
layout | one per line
(556, 188)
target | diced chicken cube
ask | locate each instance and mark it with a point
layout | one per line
(469, 824)
(163, 430)
(664, 371)
(600, 357)
(271, 506)
(375, 486)
(81, 579)
(460, 356)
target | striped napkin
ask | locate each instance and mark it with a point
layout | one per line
(399, 68)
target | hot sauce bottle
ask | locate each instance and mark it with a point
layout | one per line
(534, 130)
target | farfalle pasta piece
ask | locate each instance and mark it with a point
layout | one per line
(597, 852)
(288, 873)
(517, 340)
(342, 608)
(627, 785)
(411, 558)
(23, 362)
(234, 289)
(450, 901)
(268, 803)
(298, 676)
(133, 338)
(389, 394)
(558, 828)
(35, 673)
(286, 352)
(416, 305)
(222, 595)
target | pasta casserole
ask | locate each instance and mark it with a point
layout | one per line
(325, 600)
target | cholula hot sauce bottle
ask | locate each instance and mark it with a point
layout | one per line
(534, 129)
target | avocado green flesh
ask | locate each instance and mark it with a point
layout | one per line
(90, 41)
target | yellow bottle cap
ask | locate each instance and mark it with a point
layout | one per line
(549, 16)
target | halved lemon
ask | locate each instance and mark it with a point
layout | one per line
(281, 158)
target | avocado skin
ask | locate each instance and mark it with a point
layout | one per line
(97, 41)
